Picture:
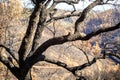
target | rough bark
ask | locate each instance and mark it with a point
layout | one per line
(31, 41)
(25, 77)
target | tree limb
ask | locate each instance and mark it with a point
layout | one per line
(64, 16)
(73, 70)
(67, 38)
(40, 27)
(28, 39)
(83, 53)
(84, 14)
(76, 68)
(67, 1)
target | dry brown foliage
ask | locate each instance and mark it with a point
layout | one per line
(12, 9)
(10, 13)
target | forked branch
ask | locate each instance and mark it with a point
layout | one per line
(28, 39)
(68, 38)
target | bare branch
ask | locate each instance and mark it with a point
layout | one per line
(52, 31)
(84, 53)
(80, 67)
(102, 30)
(84, 13)
(109, 51)
(67, 1)
(64, 16)
(67, 38)
(57, 63)
(53, 9)
(76, 68)
(31, 51)
(40, 26)
(28, 39)
(91, 62)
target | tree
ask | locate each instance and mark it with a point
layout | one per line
(31, 52)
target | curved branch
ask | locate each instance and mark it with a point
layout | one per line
(52, 9)
(76, 68)
(84, 13)
(92, 62)
(102, 30)
(28, 38)
(80, 67)
(83, 53)
(67, 38)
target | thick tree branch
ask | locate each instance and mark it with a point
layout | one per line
(40, 27)
(67, 38)
(61, 64)
(31, 40)
(28, 39)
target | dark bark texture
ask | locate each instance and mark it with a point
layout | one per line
(31, 50)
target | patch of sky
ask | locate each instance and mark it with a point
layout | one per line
(80, 6)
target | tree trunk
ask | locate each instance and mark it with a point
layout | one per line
(28, 76)
(25, 77)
